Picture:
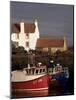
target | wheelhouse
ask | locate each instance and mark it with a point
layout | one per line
(35, 70)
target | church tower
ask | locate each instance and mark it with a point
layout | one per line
(65, 44)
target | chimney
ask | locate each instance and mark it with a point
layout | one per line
(36, 28)
(36, 23)
(22, 27)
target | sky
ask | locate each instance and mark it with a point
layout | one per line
(53, 20)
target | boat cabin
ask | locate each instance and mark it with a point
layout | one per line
(58, 69)
(35, 70)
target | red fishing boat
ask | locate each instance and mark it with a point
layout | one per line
(31, 79)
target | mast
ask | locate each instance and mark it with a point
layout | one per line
(31, 59)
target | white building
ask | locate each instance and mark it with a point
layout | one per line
(25, 34)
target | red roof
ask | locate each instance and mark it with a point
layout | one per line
(46, 42)
(28, 28)
(15, 28)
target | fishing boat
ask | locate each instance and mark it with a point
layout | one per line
(59, 74)
(30, 80)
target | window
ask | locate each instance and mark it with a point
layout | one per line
(43, 70)
(36, 71)
(40, 70)
(27, 44)
(27, 35)
(17, 36)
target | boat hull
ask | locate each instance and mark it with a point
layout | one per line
(36, 87)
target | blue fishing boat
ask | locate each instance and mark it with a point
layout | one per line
(59, 74)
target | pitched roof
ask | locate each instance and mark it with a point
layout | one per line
(46, 42)
(28, 28)
(15, 28)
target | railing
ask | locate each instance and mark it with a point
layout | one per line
(55, 71)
